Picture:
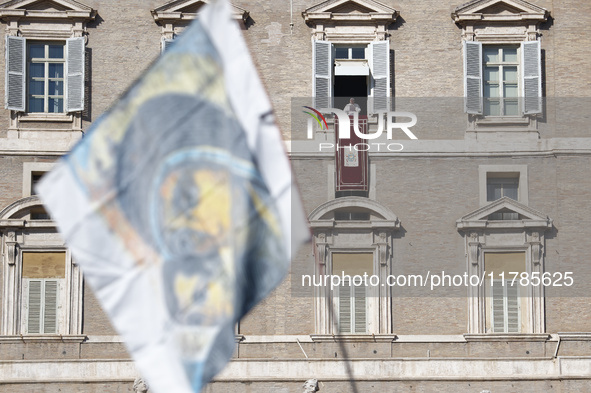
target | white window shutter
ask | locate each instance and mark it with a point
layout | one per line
(50, 307)
(360, 310)
(344, 294)
(531, 58)
(380, 71)
(15, 73)
(512, 304)
(498, 307)
(34, 303)
(322, 83)
(166, 44)
(74, 74)
(473, 77)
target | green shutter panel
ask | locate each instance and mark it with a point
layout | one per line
(322, 83)
(380, 71)
(473, 77)
(345, 309)
(531, 58)
(35, 308)
(50, 307)
(15, 73)
(74, 74)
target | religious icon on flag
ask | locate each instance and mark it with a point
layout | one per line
(179, 205)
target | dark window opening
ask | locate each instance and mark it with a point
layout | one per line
(342, 194)
(349, 86)
(344, 215)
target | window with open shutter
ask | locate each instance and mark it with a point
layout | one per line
(531, 59)
(473, 77)
(75, 74)
(166, 44)
(380, 70)
(352, 309)
(15, 73)
(323, 65)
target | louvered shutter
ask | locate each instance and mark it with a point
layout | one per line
(15, 73)
(344, 309)
(74, 74)
(512, 307)
(34, 303)
(360, 310)
(50, 307)
(322, 84)
(531, 58)
(380, 71)
(166, 44)
(498, 307)
(473, 77)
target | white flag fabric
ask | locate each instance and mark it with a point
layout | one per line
(179, 205)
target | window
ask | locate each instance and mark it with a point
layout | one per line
(503, 295)
(43, 285)
(495, 249)
(498, 181)
(502, 61)
(351, 53)
(357, 245)
(50, 82)
(32, 173)
(45, 84)
(501, 76)
(350, 298)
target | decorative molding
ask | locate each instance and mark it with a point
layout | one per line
(508, 337)
(332, 20)
(45, 339)
(354, 338)
(486, 11)
(187, 10)
(532, 219)
(580, 336)
(55, 9)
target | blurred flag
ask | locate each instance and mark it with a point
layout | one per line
(179, 205)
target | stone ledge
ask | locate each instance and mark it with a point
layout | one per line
(509, 337)
(366, 338)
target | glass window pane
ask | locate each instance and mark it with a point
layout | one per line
(56, 51)
(511, 108)
(491, 90)
(510, 74)
(56, 105)
(342, 53)
(491, 74)
(491, 54)
(35, 104)
(37, 70)
(37, 51)
(56, 70)
(358, 53)
(492, 108)
(510, 55)
(56, 88)
(510, 91)
(510, 190)
(493, 192)
(36, 87)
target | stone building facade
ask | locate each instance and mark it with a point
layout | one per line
(496, 182)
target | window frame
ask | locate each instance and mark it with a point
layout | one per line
(19, 236)
(483, 175)
(501, 82)
(46, 61)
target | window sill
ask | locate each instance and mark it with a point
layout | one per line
(43, 338)
(46, 117)
(505, 337)
(505, 121)
(374, 338)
